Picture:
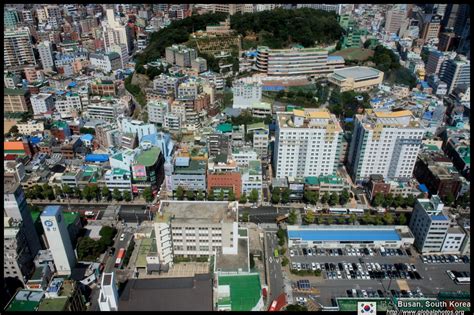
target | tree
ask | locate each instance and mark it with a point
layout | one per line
(388, 200)
(325, 197)
(116, 194)
(58, 191)
(87, 193)
(200, 195)
(13, 130)
(341, 220)
(243, 198)
(127, 196)
(281, 233)
(67, 190)
(329, 220)
(253, 197)
(245, 216)
(105, 192)
(402, 219)
(221, 195)
(284, 261)
(281, 241)
(352, 218)
(378, 199)
(77, 192)
(410, 201)
(285, 196)
(309, 217)
(378, 220)
(344, 197)
(296, 308)
(388, 218)
(95, 191)
(399, 201)
(148, 194)
(211, 196)
(276, 195)
(310, 197)
(333, 199)
(367, 219)
(292, 217)
(180, 193)
(231, 196)
(449, 199)
(190, 195)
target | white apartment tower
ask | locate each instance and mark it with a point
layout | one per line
(246, 93)
(307, 143)
(45, 50)
(58, 239)
(108, 296)
(17, 48)
(384, 143)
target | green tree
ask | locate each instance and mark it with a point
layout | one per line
(190, 195)
(245, 216)
(243, 198)
(95, 191)
(221, 195)
(284, 261)
(309, 217)
(330, 220)
(148, 194)
(180, 193)
(116, 194)
(14, 130)
(449, 199)
(378, 220)
(388, 200)
(67, 190)
(281, 233)
(296, 308)
(292, 217)
(127, 196)
(325, 197)
(87, 193)
(402, 219)
(58, 191)
(367, 218)
(352, 218)
(310, 196)
(276, 195)
(378, 199)
(200, 195)
(253, 197)
(388, 218)
(410, 201)
(211, 196)
(399, 201)
(344, 197)
(231, 195)
(333, 199)
(77, 192)
(285, 196)
(341, 220)
(105, 192)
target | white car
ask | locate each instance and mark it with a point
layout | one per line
(450, 274)
(122, 237)
(292, 253)
(298, 266)
(313, 266)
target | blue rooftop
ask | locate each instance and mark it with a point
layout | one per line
(35, 140)
(97, 157)
(345, 235)
(50, 211)
(72, 84)
(423, 188)
(335, 58)
(439, 218)
(87, 137)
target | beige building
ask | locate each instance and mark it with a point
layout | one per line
(394, 19)
(228, 8)
(30, 127)
(356, 78)
(16, 100)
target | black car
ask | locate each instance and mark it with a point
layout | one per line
(327, 266)
(339, 251)
(404, 293)
(465, 259)
(411, 274)
(354, 266)
(332, 266)
(349, 293)
(305, 252)
(417, 275)
(111, 251)
(341, 267)
(366, 251)
(380, 293)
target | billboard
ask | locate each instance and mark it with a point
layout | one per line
(139, 172)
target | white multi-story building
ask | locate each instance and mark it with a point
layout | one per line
(453, 240)
(243, 157)
(45, 50)
(68, 103)
(172, 122)
(166, 85)
(429, 225)
(58, 239)
(106, 110)
(252, 177)
(17, 48)
(195, 229)
(456, 72)
(325, 7)
(11, 80)
(118, 178)
(108, 296)
(189, 90)
(122, 50)
(138, 127)
(30, 127)
(246, 93)
(42, 103)
(106, 63)
(157, 111)
(384, 143)
(307, 143)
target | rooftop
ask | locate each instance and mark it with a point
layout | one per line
(148, 157)
(51, 211)
(168, 294)
(54, 304)
(197, 212)
(245, 290)
(194, 167)
(231, 263)
(336, 234)
(357, 73)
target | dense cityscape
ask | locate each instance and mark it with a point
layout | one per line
(218, 157)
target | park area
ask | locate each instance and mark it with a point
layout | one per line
(356, 54)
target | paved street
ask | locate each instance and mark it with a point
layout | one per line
(275, 276)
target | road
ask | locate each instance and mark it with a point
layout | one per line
(265, 214)
(273, 265)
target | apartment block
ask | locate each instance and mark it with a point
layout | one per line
(42, 103)
(189, 174)
(246, 93)
(17, 47)
(16, 100)
(157, 111)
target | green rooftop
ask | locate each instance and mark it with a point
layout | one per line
(143, 251)
(22, 306)
(69, 217)
(60, 124)
(431, 147)
(148, 157)
(56, 304)
(195, 167)
(245, 290)
(262, 105)
(259, 125)
(12, 92)
(224, 128)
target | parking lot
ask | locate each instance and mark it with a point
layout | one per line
(370, 273)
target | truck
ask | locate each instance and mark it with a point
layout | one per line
(120, 256)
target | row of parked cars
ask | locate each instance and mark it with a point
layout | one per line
(332, 252)
(444, 259)
(380, 293)
(393, 252)
(458, 274)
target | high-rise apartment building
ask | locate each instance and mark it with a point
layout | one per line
(429, 225)
(17, 48)
(45, 50)
(10, 18)
(430, 26)
(456, 72)
(246, 93)
(58, 239)
(435, 60)
(394, 19)
(307, 143)
(384, 143)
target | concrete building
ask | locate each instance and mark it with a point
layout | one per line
(189, 90)
(172, 122)
(118, 178)
(17, 47)
(456, 72)
(252, 178)
(454, 240)
(148, 169)
(157, 111)
(108, 296)
(385, 143)
(42, 103)
(223, 176)
(189, 174)
(430, 26)
(45, 50)
(306, 143)
(199, 64)
(166, 85)
(243, 157)
(394, 19)
(218, 143)
(338, 8)
(337, 236)
(17, 255)
(429, 225)
(260, 138)
(11, 80)
(67, 103)
(138, 127)
(16, 100)
(30, 127)
(294, 61)
(231, 9)
(58, 239)
(106, 62)
(180, 55)
(246, 93)
(356, 78)
(195, 229)
(435, 60)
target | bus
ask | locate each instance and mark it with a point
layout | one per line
(463, 280)
(120, 256)
(337, 210)
(273, 306)
(275, 252)
(355, 211)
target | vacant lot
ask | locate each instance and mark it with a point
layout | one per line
(357, 54)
